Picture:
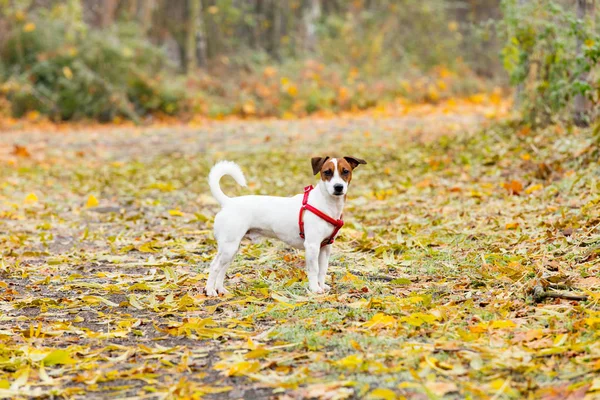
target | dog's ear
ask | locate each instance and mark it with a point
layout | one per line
(354, 162)
(317, 163)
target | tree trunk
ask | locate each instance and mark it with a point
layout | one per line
(276, 31)
(520, 86)
(145, 13)
(311, 16)
(109, 7)
(201, 37)
(585, 8)
(191, 62)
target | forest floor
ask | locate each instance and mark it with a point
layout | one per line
(465, 236)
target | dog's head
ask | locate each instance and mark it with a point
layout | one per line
(336, 173)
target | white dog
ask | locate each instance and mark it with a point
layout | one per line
(309, 220)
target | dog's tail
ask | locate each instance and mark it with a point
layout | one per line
(217, 172)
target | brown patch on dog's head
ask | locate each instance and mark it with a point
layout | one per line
(326, 166)
(317, 164)
(328, 169)
(344, 169)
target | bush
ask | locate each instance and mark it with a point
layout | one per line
(301, 88)
(53, 63)
(542, 60)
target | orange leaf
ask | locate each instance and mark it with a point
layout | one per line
(512, 225)
(20, 151)
(513, 187)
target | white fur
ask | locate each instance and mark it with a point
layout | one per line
(336, 180)
(217, 172)
(275, 217)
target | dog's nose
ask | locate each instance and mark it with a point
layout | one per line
(338, 188)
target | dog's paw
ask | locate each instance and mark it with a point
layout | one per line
(316, 289)
(223, 291)
(211, 292)
(325, 287)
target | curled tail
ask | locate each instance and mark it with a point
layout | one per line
(217, 172)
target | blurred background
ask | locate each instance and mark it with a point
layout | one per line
(113, 60)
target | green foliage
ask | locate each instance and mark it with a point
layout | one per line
(257, 60)
(380, 40)
(541, 57)
(53, 63)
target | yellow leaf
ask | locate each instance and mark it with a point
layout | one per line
(351, 362)
(44, 376)
(382, 394)
(381, 320)
(176, 213)
(418, 319)
(29, 27)
(147, 248)
(503, 324)
(243, 368)
(534, 188)
(4, 384)
(62, 357)
(68, 73)
(259, 352)
(92, 201)
(497, 384)
(512, 225)
(31, 198)
(592, 321)
(97, 299)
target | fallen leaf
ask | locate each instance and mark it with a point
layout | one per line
(92, 201)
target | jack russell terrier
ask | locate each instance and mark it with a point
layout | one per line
(284, 218)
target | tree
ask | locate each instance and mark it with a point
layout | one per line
(109, 8)
(311, 17)
(585, 9)
(194, 9)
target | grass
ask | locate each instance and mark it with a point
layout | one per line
(449, 228)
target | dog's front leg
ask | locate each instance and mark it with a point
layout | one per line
(323, 266)
(312, 267)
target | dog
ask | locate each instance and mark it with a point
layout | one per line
(306, 221)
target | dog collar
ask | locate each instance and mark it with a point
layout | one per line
(337, 223)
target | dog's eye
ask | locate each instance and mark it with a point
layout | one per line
(328, 173)
(345, 171)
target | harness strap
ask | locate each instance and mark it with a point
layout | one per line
(337, 223)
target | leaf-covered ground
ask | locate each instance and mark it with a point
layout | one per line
(455, 232)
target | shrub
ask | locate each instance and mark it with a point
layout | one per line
(53, 63)
(542, 60)
(297, 89)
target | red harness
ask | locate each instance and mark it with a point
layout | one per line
(337, 223)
